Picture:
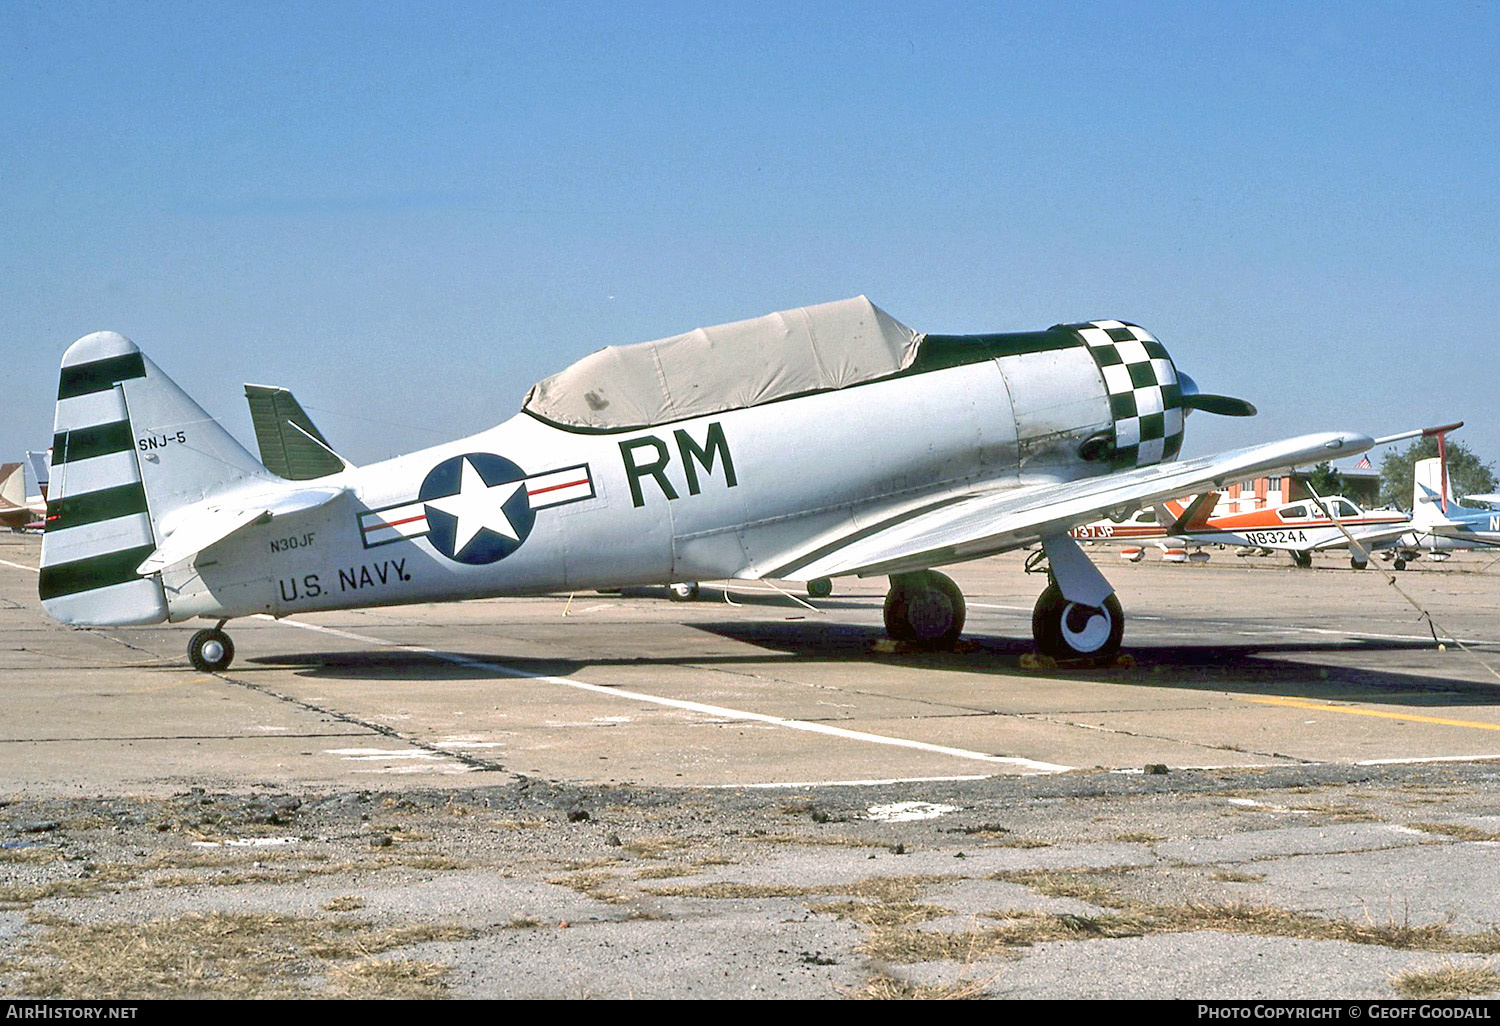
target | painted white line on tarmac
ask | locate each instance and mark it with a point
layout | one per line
(719, 711)
(838, 783)
(21, 566)
(1241, 625)
(1432, 758)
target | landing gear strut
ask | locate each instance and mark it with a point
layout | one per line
(1072, 630)
(210, 650)
(925, 608)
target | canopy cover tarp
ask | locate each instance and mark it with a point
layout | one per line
(726, 367)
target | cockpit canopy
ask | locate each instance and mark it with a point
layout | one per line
(725, 367)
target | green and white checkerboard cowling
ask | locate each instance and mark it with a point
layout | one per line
(1145, 397)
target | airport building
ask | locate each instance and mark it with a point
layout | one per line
(1362, 484)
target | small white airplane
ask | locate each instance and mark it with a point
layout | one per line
(814, 443)
(19, 511)
(1440, 523)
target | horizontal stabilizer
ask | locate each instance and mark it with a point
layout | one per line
(290, 445)
(210, 524)
(1193, 518)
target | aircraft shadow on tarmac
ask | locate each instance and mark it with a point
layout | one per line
(1281, 669)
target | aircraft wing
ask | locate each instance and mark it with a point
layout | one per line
(208, 525)
(983, 523)
(1370, 537)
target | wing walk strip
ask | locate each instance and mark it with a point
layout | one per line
(718, 711)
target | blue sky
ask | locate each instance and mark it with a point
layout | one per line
(409, 212)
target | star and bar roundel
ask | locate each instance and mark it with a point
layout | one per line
(476, 508)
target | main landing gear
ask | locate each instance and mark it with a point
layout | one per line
(926, 608)
(210, 650)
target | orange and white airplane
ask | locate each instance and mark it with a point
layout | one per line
(1301, 528)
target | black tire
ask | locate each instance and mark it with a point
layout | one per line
(1071, 630)
(925, 608)
(1302, 559)
(1357, 564)
(683, 591)
(210, 651)
(820, 587)
(1400, 563)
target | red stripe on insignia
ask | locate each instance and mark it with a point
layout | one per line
(398, 523)
(553, 488)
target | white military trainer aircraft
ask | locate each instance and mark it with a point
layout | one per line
(809, 444)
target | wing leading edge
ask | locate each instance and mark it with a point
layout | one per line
(988, 522)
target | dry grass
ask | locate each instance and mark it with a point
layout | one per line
(899, 944)
(345, 903)
(1446, 982)
(600, 886)
(885, 889)
(882, 987)
(1023, 928)
(34, 856)
(389, 979)
(732, 890)
(1081, 884)
(14, 896)
(656, 847)
(1138, 837)
(834, 841)
(1458, 831)
(665, 872)
(868, 913)
(1235, 876)
(221, 955)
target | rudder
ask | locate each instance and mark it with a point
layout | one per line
(130, 448)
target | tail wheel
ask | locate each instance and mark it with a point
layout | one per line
(925, 608)
(1072, 630)
(210, 651)
(683, 591)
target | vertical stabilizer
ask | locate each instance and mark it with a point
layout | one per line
(12, 485)
(1427, 493)
(129, 449)
(39, 461)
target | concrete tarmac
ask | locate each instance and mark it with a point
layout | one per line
(1237, 663)
(1254, 685)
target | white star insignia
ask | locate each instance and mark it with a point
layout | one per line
(478, 507)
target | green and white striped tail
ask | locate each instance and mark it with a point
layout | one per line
(129, 448)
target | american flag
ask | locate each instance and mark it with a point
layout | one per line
(1364, 463)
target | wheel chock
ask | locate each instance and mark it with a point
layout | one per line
(1037, 661)
(890, 646)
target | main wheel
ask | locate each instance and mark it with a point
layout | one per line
(1302, 559)
(210, 650)
(1400, 563)
(683, 591)
(1072, 630)
(925, 608)
(820, 587)
(1358, 564)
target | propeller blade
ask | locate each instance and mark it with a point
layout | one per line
(1223, 405)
